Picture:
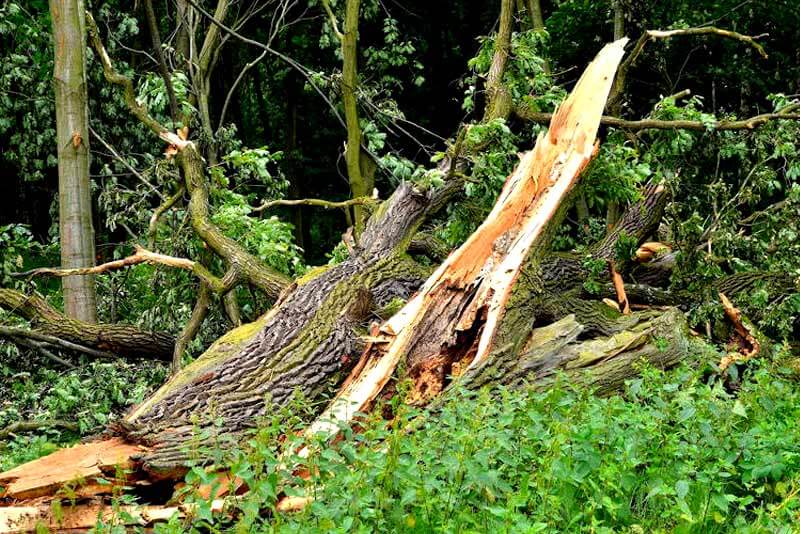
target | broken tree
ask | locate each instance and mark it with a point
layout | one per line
(501, 309)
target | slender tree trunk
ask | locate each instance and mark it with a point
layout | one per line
(360, 184)
(498, 101)
(72, 124)
(182, 28)
(615, 105)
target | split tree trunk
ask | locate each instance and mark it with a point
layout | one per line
(309, 341)
(481, 316)
(72, 126)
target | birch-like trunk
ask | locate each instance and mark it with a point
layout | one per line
(72, 124)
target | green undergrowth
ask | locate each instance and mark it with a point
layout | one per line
(676, 451)
(87, 397)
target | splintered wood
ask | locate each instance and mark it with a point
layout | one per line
(744, 344)
(78, 466)
(458, 310)
(82, 517)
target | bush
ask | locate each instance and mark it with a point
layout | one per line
(672, 453)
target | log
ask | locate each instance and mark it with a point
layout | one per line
(601, 364)
(122, 340)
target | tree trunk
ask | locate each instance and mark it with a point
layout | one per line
(122, 340)
(361, 184)
(498, 101)
(72, 124)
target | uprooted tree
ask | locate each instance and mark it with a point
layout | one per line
(501, 309)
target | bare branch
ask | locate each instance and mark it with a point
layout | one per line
(283, 57)
(618, 89)
(327, 204)
(41, 349)
(162, 63)
(711, 30)
(15, 333)
(161, 210)
(656, 124)
(141, 255)
(236, 83)
(127, 165)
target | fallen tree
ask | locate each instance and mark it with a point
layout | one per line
(78, 336)
(502, 309)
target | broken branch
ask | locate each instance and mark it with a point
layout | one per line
(15, 333)
(524, 112)
(141, 255)
(327, 204)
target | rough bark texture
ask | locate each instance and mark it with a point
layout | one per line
(72, 135)
(304, 343)
(600, 363)
(118, 339)
(241, 262)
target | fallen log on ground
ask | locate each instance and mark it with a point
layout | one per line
(494, 312)
(117, 339)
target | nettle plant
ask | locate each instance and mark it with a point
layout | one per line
(673, 452)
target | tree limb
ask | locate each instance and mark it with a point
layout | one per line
(618, 89)
(191, 328)
(161, 210)
(122, 340)
(141, 255)
(15, 333)
(526, 113)
(29, 426)
(139, 110)
(327, 204)
(41, 349)
(326, 4)
(162, 63)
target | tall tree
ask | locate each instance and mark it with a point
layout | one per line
(359, 170)
(72, 123)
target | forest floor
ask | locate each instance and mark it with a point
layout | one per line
(680, 451)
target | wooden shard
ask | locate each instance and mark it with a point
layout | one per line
(72, 469)
(459, 308)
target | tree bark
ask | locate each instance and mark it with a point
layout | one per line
(122, 340)
(76, 232)
(498, 101)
